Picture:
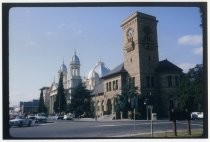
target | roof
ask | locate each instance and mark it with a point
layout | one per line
(100, 69)
(43, 88)
(140, 15)
(118, 69)
(165, 65)
(99, 88)
(75, 60)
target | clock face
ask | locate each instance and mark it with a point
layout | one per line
(130, 33)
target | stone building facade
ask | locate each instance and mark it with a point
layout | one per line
(141, 67)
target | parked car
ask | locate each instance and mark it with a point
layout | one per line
(41, 117)
(20, 121)
(68, 116)
(196, 115)
(58, 117)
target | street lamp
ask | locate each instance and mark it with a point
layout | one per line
(146, 104)
(151, 107)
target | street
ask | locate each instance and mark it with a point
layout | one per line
(98, 129)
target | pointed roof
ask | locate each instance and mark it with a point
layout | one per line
(98, 89)
(116, 70)
(165, 65)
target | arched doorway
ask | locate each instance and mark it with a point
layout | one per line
(109, 106)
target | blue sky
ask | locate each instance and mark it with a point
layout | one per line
(41, 38)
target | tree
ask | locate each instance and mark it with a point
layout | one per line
(60, 101)
(191, 90)
(81, 101)
(128, 99)
(42, 107)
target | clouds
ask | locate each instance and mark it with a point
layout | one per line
(191, 45)
(186, 66)
(193, 41)
(190, 40)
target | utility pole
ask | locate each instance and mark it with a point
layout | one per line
(134, 112)
(151, 121)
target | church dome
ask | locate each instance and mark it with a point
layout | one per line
(63, 68)
(101, 69)
(75, 59)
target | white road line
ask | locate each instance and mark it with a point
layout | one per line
(106, 125)
(191, 124)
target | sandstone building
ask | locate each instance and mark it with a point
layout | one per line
(141, 67)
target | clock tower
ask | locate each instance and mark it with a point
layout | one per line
(140, 46)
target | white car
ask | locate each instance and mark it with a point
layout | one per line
(41, 117)
(68, 117)
(20, 121)
(197, 115)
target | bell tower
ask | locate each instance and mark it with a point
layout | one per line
(140, 46)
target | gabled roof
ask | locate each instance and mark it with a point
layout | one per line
(165, 65)
(99, 88)
(118, 69)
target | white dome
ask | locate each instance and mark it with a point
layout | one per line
(75, 60)
(101, 69)
(63, 68)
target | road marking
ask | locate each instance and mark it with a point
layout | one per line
(106, 125)
(190, 124)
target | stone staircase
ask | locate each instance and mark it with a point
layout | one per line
(106, 117)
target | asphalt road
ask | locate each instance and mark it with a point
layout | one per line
(97, 129)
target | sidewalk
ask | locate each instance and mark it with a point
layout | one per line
(164, 134)
(108, 120)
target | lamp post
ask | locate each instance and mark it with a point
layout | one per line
(151, 107)
(146, 104)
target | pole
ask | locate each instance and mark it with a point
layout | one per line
(147, 112)
(134, 111)
(175, 132)
(151, 122)
(189, 127)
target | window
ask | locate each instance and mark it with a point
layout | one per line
(176, 80)
(131, 60)
(113, 85)
(147, 38)
(110, 87)
(107, 87)
(169, 81)
(116, 84)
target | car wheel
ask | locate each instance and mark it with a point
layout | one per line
(29, 124)
(21, 124)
